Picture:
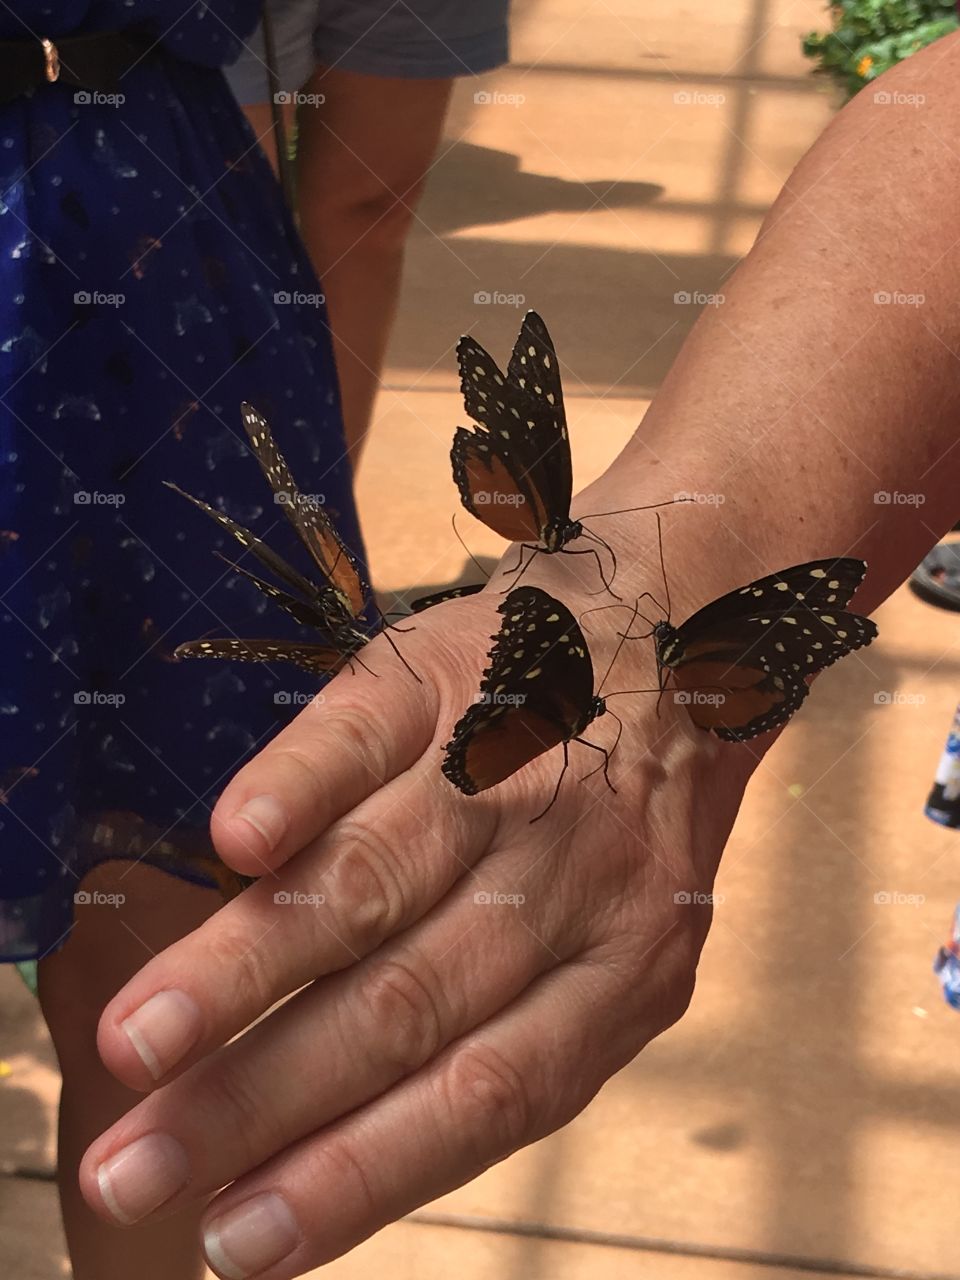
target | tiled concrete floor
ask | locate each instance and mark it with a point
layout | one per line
(803, 1115)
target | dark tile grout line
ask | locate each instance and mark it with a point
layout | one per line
(808, 83)
(650, 1244)
(610, 1240)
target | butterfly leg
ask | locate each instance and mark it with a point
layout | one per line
(606, 762)
(556, 790)
(590, 551)
(524, 546)
(608, 585)
(386, 634)
(388, 626)
(662, 682)
(355, 657)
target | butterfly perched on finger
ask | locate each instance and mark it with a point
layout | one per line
(537, 693)
(513, 468)
(740, 664)
(334, 606)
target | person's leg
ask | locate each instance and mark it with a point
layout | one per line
(107, 946)
(260, 115)
(362, 157)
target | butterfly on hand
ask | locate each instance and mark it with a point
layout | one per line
(333, 606)
(513, 469)
(740, 665)
(537, 693)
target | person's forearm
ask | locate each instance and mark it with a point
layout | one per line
(803, 396)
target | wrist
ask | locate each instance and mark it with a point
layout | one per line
(625, 670)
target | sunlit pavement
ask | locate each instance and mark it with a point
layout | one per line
(803, 1114)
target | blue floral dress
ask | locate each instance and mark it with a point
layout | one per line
(151, 280)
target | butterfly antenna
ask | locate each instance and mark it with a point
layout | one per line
(599, 608)
(696, 688)
(651, 506)
(616, 652)
(453, 521)
(663, 568)
(619, 693)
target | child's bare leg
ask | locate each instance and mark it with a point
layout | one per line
(108, 945)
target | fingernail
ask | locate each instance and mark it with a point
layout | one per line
(163, 1029)
(143, 1176)
(245, 1241)
(267, 816)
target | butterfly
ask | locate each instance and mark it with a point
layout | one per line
(739, 665)
(513, 469)
(537, 693)
(334, 606)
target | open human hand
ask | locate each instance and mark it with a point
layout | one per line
(465, 980)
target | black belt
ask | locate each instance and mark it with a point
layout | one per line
(95, 62)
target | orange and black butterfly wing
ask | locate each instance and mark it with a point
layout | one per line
(537, 692)
(534, 368)
(451, 593)
(514, 473)
(314, 528)
(817, 585)
(799, 641)
(489, 746)
(734, 699)
(317, 658)
(266, 555)
(320, 612)
(742, 661)
(495, 488)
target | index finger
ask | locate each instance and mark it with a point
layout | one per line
(363, 732)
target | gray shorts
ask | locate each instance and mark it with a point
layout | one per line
(415, 39)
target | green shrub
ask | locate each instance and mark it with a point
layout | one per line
(868, 36)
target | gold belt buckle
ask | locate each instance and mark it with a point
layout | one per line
(52, 58)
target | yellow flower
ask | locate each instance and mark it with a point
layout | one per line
(864, 65)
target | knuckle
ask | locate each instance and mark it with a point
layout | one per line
(366, 891)
(303, 767)
(403, 997)
(346, 1171)
(227, 1100)
(490, 1102)
(355, 733)
(244, 966)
